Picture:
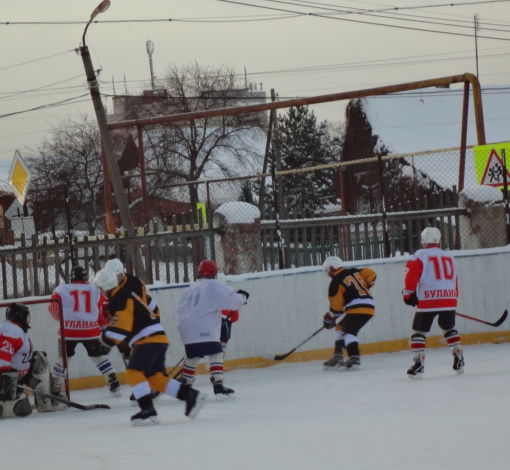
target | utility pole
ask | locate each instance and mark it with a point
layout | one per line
(476, 43)
(118, 188)
(276, 142)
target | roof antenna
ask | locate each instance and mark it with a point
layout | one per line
(150, 50)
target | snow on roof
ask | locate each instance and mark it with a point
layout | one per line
(483, 194)
(239, 212)
(430, 119)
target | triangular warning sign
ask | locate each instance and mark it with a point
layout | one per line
(493, 174)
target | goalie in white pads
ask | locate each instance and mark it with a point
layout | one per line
(431, 285)
(20, 364)
(200, 312)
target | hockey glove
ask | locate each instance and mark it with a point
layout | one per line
(411, 299)
(329, 321)
(240, 291)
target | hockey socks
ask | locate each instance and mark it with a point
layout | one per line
(453, 339)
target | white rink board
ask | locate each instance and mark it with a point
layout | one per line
(285, 307)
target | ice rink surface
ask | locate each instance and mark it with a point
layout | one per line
(292, 416)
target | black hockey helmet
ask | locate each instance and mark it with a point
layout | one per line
(79, 274)
(20, 314)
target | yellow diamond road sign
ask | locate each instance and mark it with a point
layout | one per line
(19, 177)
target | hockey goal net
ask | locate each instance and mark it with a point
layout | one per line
(46, 331)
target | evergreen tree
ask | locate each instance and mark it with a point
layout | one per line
(305, 143)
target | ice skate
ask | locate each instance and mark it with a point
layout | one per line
(458, 360)
(146, 416)
(114, 385)
(195, 400)
(352, 363)
(335, 363)
(416, 370)
(221, 392)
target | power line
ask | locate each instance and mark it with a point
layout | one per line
(409, 28)
(45, 106)
(35, 60)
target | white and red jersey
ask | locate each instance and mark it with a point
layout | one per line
(81, 304)
(200, 310)
(433, 274)
(15, 348)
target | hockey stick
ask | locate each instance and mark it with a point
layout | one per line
(72, 404)
(281, 357)
(495, 324)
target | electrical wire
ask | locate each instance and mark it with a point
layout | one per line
(45, 106)
(35, 60)
(409, 28)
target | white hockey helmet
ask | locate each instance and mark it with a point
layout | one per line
(105, 280)
(431, 236)
(115, 265)
(332, 264)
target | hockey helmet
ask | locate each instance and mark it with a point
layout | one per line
(207, 269)
(430, 236)
(79, 274)
(115, 265)
(20, 314)
(332, 264)
(105, 280)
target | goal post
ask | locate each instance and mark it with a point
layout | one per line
(46, 331)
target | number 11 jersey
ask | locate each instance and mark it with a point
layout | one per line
(81, 303)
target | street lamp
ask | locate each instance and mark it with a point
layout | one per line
(118, 188)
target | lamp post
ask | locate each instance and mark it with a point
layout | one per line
(113, 169)
(118, 188)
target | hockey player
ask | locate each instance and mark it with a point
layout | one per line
(133, 284)
(200, 312)
(227, 318)
(81, 305)
(349, 292)
(132, 322)
(431, 285)
(19, 364)
(137, 287)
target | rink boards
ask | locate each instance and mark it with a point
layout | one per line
(285, 307)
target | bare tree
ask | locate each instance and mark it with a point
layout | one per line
(70, 158)
(191, 150)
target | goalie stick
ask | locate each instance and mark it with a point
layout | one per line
(495, 324)
(71, 404)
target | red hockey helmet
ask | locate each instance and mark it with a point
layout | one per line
(208, 269)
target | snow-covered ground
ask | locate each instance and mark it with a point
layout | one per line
(293, 416)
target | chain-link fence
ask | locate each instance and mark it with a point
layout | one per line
(364, 209)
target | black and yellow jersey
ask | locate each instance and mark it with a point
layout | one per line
(136, 286)
(131, 321)
(349, 291)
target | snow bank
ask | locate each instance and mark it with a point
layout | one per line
(483, 194)
(239, 212)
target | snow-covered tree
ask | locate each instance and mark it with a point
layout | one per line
(305, 143)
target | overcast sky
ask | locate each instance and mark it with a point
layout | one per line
(280, 44)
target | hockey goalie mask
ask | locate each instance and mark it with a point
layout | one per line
(20, 314)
